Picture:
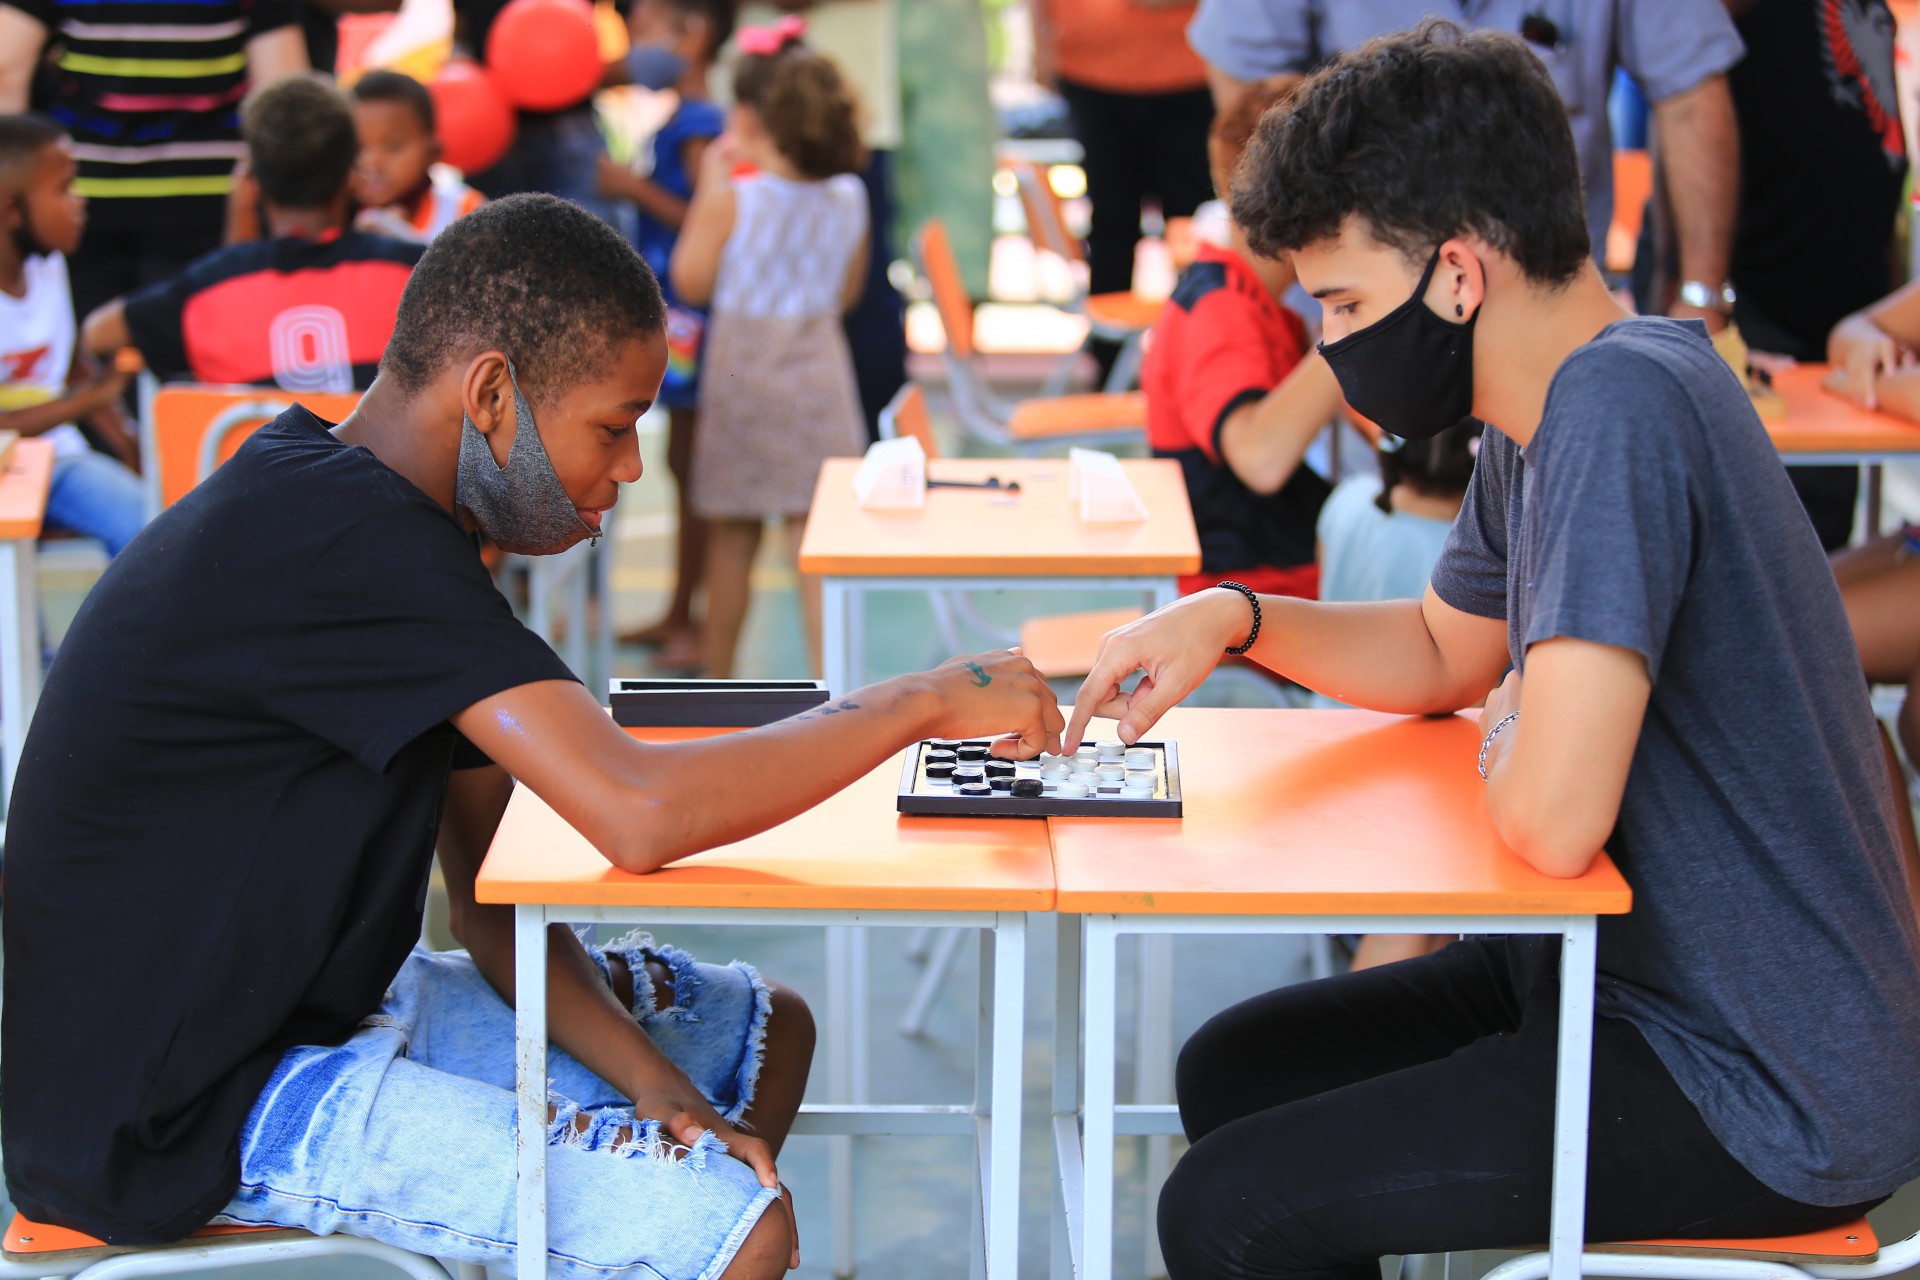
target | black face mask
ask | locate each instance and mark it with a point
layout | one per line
(1410, 371)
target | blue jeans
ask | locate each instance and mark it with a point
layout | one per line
(405, 1133)
(94, 495)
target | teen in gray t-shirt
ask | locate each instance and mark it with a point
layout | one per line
(1769, 956)
(1637, 602)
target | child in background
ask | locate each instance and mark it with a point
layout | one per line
(1234, 395)
(1380, 537)
(45, 383)
(400, 192)
(674, 44)
(309, 308)
(778, 256)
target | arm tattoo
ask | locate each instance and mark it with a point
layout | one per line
(980, 677)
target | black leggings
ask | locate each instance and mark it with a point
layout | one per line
(1409, 1109)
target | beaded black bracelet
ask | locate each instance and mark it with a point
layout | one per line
(1253, 600)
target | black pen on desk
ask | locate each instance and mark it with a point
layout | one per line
(991, 482)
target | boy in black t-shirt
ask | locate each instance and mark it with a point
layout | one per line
(269, 709)
(1637, 594)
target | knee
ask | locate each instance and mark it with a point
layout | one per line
(1190, 1216)
(1197, 1086)
(790, 1022)
(764, 1254)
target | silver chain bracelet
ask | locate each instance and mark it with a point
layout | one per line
(1493, 733)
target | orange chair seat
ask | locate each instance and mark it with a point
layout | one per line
(1065, 644)
(1851, 1242)
(1088, 414)
(1128, 311)
(29, 1239)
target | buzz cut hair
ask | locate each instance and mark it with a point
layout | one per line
(22, 139)
(301, 143)
(533, 276)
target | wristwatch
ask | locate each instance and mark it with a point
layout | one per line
(1706, 297)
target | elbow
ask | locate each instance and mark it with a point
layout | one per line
(1551, 839)
(694, 288)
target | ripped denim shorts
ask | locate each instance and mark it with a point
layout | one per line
(405, 1133)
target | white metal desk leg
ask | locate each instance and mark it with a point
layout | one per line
(840, 1089)
(530, 1081)
(986, 1138)
(835, 600)
(1096, 1213)
(1153, 1071)
(1566, 1234)
(19, 655)
(1163, 594)
(1067, 1226)
(1009, 1024)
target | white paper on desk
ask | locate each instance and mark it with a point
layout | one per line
(892, 475)
(1098, 485)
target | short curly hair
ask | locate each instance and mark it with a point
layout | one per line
(534, 276)
(807, 107)
(1424, 135)
(301, 143)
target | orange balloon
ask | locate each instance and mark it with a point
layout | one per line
(476, 122)
(545, 54)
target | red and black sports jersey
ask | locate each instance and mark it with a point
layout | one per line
(150, 91)
(1223, 341)
(304, 315)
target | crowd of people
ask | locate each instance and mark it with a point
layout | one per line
(1572, 520)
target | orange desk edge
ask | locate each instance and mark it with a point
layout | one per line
(885, 862)
(1037, 536)
(1298, 813)
(1817, 421)
(23, 489)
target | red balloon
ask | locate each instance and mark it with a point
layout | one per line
(476, 122)
(545, 54)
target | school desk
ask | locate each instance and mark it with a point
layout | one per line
(24, 484)
(849, 861)
(1821, 428)
(1300, 822)
(980, 540)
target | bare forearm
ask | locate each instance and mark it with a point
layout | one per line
(1700, 158)
(1852, 333)
(37, 419)
(714, 791)
(653, 200)
(1264, 441)
(1375, 654)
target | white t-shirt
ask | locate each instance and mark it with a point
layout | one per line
(36, 347)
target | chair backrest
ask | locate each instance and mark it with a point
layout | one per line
(906, 415)
(1046, 216)
(933, 255)
(193, 429)
(1632, 185)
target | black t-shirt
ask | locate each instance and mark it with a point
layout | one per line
(225, 815)
(1822, 163)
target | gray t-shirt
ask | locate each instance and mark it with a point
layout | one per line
(1668, 46)
(1770, 956)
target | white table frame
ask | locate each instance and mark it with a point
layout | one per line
(1087, 1119)
(19, 654)
(992, 1119)
(843, 605)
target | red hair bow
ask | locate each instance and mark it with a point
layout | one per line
(768, 42)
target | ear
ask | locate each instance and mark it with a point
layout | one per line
(434, 151)
(13, 211)
(1459, 283)
(486, 396)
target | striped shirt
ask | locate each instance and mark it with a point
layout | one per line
(150, 91)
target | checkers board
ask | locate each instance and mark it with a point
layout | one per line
(1106, 780)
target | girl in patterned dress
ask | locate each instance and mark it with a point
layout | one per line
(778, 256)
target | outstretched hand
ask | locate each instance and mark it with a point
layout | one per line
(989, 694)
(1176, 647)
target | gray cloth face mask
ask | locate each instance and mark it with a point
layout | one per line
(521, 507)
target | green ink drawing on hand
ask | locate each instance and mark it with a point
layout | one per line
(980, 678)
